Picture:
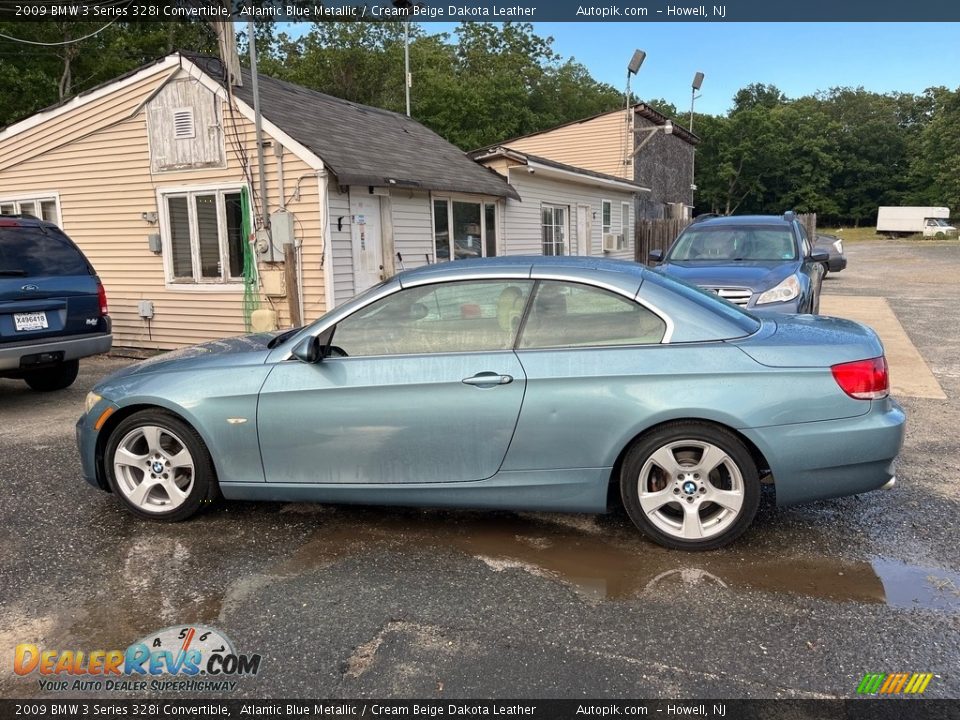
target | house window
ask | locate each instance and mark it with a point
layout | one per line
(204, 234)
(44, 208)
(625, 221)
(464, 229)
(606, 212)
(554, 221)
(183, 125)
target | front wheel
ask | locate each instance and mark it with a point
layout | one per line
(159, 467)
(690, 486)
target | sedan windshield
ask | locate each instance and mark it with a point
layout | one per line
(741, 243)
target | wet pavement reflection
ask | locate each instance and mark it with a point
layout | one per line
(602, 565)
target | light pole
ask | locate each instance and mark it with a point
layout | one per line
(694, 86)
(405, 6)
(632, 68)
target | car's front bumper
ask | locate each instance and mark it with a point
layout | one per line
(87, 445)
(837, 263)
(833, 458)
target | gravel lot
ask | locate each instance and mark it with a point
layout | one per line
(358, 602)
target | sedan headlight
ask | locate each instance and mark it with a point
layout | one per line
(838, 246)
(786, 290)
(92, 400)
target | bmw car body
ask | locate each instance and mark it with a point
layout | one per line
(508, 383)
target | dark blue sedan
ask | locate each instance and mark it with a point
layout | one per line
(761, 262)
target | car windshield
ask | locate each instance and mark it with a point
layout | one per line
(734, 243)
(943, 223)
(35, 251)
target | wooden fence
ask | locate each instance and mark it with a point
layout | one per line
(655, 235)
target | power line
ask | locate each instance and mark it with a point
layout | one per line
(57, 44)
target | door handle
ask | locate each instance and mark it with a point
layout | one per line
(488, 379)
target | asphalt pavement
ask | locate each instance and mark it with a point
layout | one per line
(370, 602)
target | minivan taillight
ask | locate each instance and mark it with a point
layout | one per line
(102, 299)
(863, 379)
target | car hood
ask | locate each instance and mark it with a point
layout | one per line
(757, 276)
(240, 350)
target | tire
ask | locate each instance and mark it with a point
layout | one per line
(159, 467)
(53, 378)
(675, 507)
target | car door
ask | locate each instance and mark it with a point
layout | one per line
(421, 386)
(814, 271)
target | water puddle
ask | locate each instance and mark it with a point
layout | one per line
(611, 564)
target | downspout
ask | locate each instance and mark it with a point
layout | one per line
(326, 255)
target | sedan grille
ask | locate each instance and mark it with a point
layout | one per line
(738, 296)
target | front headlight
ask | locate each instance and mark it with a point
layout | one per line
(838, 245)
(786, 290)
(92, 400)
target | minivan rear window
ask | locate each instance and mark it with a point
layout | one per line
(34, 251)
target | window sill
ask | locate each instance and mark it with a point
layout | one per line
(229, 287)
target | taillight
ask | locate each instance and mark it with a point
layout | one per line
(102, 299)
(863, 379)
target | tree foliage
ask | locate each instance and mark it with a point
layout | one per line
(841, 152)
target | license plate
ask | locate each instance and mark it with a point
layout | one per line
(30, 321)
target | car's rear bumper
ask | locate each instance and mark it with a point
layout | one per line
(13, 354)
(833, 458)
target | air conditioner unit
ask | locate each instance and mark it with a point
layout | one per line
(613, 242)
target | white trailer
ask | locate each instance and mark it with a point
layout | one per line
(928, 221)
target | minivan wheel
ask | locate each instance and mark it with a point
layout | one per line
(159, 467)
(57, 377)
(690, 486)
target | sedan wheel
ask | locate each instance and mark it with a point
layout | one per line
(690, 486)
(159, 466)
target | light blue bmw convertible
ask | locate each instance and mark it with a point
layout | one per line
(513, 383)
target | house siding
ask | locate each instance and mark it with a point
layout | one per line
(412, 228)
(598, 144)
(97, 158)
(522, 219)
(341, 245)
(665, 165)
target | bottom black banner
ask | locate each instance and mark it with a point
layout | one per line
(914, 709)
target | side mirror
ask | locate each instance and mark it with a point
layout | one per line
(315, 348)
(308, 350)
(655, 256)
(819, 255)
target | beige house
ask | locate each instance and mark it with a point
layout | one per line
(154, 175)
(563, 209)
(638, 144)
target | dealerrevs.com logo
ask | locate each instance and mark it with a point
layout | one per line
(189, 658)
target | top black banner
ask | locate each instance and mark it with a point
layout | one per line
(481, 10)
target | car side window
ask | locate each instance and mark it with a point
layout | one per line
(468, 316)
(565, 314)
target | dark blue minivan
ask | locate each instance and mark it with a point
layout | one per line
(759, 262)
(53, 308)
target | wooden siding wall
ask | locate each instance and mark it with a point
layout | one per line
(97, 158)
(412, 228)
(341, 244)
(522, 222)
(597, 144)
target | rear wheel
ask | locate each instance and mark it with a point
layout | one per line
(57, 377)
(159, 467)
(690, 486)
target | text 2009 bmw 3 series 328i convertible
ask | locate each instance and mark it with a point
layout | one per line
(513, 383)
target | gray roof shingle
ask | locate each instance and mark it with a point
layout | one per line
(364, 145)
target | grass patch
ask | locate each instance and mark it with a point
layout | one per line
(852, 234)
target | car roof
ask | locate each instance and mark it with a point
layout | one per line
(514, 265)
(24, 221)
(741, 220)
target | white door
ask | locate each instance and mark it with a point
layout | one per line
(367, 247)
(584, 230)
